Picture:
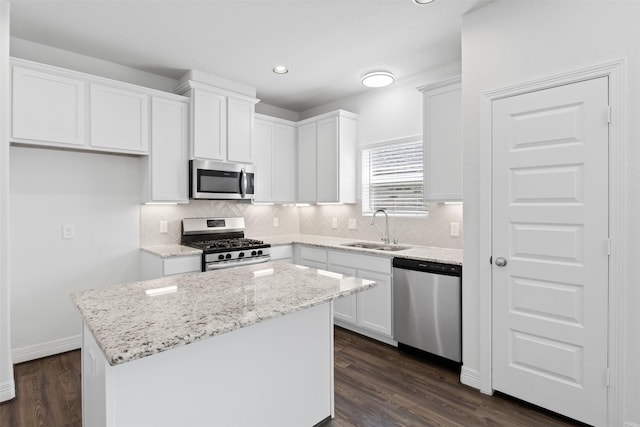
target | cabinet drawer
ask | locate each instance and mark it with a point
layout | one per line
(313, 254)
(183, 264)
(360, 262)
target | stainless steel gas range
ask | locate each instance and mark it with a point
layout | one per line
(223, 243)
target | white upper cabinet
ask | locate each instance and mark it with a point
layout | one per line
(263, 149)
(274, 155)
(240, 116)
(48, 107)
(209, 130)
(62, 108)
(167, 171)
(222, 123)
(284, 163)
(307, 141)
(119, 119)
(327, 147)
(442, 133)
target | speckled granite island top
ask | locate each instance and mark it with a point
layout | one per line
(128, 323)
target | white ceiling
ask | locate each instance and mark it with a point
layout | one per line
(327, 44)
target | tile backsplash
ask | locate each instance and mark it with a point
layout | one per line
(432, 230)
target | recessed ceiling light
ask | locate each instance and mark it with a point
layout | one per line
(377, 79)
(280, 69)
(423, 1)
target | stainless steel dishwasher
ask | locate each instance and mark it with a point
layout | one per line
(427, 307)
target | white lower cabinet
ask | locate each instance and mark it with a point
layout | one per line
(310, 256)
(154, 266)
(282, 253)
(368, 313)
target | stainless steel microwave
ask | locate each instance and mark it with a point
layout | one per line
(220, 180)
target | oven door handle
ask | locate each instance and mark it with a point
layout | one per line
(236, 263)
(243, 183)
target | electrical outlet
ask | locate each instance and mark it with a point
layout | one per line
(353, 224)
(334, 223)
(164, 226)
(68, 231)
(276, 222)
(455, 229)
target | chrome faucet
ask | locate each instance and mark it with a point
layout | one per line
(385, 238)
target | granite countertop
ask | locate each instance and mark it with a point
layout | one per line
(129, 324)
(173, 250)
(423, 253)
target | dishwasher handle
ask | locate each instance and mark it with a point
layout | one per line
(428, 266)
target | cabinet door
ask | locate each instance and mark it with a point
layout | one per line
(374, 305)
(284, 164)
(209, 125)
(327, 160)
(307, 163)
(48, 107)
(443, 143)
(119, 119)
(263, 148)
(240, 115)
(169, 150)
(345, 308)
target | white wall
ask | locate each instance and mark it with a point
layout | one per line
(7, 384)
(506, 43)
(100, 195)
(62, 58)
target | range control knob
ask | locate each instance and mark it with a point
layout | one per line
(221, 256)
(241, 255)
(260, 252)
(228, 256)
(253, 253)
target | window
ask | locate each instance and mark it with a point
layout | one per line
(392, 178)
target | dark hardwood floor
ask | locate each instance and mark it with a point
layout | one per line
(375, 385)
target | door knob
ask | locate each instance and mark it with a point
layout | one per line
(501, 262)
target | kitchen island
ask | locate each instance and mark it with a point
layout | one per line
(247, 346)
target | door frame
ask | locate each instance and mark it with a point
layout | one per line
(615, 71)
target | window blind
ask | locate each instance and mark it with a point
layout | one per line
(392, 179)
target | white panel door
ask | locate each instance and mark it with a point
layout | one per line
(119, 119)
(374, 305)
(345, 308)
(550, 226)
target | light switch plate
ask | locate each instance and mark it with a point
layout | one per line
(276, 222)
(353, 224)
(334, 223)
(164, 226)
(455, 229)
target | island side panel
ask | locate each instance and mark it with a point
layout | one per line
(275, 373)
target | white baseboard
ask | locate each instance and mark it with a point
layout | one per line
(470, 377)
(7, 391)
(36, 351)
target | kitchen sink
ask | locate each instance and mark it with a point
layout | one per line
(376, 246)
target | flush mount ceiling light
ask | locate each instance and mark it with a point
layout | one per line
(423, 1)
(377, 79)
(280, 69)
